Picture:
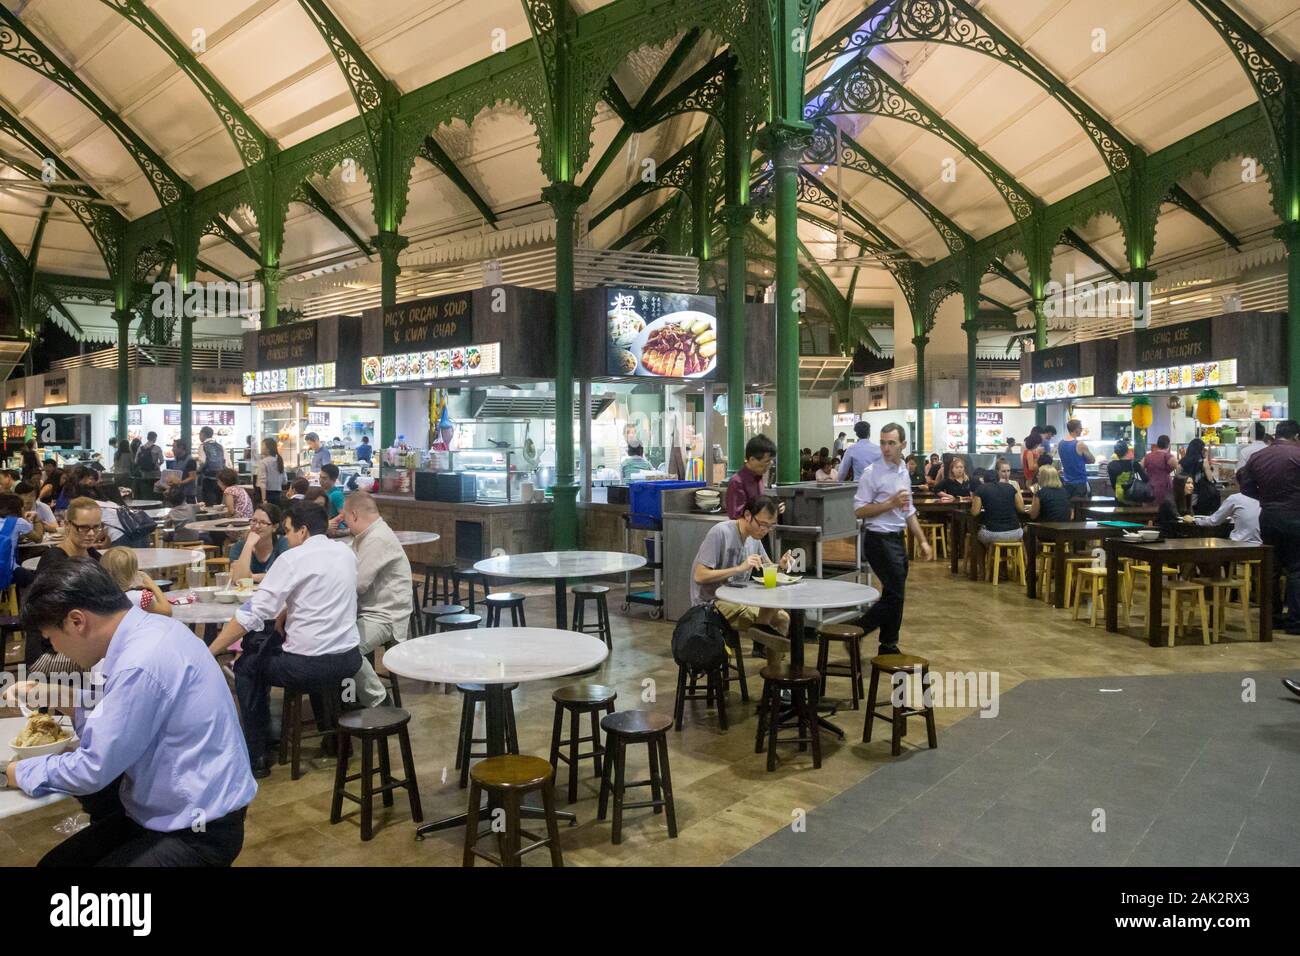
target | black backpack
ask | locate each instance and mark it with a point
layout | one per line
(144, 459)
(137, 528)
(700, 638)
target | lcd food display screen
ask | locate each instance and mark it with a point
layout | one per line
(661, 334)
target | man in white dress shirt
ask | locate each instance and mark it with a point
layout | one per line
(884, 503)
(311, 593)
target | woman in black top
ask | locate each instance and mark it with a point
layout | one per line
(956, 484)
(31, 464)
(1052, 502)
(998, 504)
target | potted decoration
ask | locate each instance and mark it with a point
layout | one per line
(1142, 413)
(1207, 407)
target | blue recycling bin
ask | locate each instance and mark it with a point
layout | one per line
(646, 503)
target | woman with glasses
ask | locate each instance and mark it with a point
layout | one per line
(84, 533)
(253, 556)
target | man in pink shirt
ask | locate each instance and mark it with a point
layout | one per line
(746, 485)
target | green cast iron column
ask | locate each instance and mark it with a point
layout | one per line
(270, 278)
(123, 319)
(737, 222)
(270, 234)
(1290, 234)
(565, 198)
(390, 245)
(971, 328)
(787, 149)
(187, 255)
(920, 342)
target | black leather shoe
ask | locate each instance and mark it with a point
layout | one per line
(889, 649)
(262, 768)
(1291, 685)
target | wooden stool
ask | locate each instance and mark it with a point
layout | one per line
(851, 636)
(577, 700)
(714, 692)
(1046, 570)
(1139, 572)
(374, 725)
(1093, 581)
(455, 622)
(582, 594)
(1013, 552)
(292, 722)
(437, 585)
(1072, 565)
(633, 727)
(892, 664)
(802, 683)
(511, 601)
(471, 696)
(471, 578)
(432, 612)
(1221, 593)
(1184, 592)
(509, 778)
(937, 532)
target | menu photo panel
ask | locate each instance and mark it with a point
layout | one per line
(661, 334)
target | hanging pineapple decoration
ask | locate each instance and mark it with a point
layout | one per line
(1142, 413)
(1207, 407)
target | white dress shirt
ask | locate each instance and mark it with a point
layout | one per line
(1244, 453)
(880, 482)
(317, 583)
(1244, 512)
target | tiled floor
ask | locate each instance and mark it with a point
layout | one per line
(727, 803)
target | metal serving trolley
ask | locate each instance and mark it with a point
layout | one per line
(645, 513)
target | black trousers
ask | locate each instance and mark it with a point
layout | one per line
(263, 664)
(1078, 490)
(209, 490)
(887, 556)
(1281, 530)
(114, 839)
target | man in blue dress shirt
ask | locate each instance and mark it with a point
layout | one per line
(161, 761)
(859, 456)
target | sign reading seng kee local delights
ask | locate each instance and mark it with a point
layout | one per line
(426, 324)
(1183, 344)
(287, 345)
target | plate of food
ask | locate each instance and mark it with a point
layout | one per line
(42, 735)
(1198, 375)
(678, 345)
(1185, 374)
(1212, 372)
(1040, 391)
(1139, 380)
(624, 326)
(1125, 383)
(370, 370)
(624, 362)
(473, 357)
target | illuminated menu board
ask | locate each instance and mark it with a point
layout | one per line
(462, 362)
(1176, 377)
(299, 379)
(1062, 388)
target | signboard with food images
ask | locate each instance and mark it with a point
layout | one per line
(433, 365)
(1067, 389)
(299, 379)
(990, 431)
(1177, 377)
(661, 334)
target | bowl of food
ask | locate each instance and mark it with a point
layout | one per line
(1149, 534)
(43, 735)
(227, 596)
(205, 595)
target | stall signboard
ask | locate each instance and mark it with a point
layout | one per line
(877, 398)
(995, 391)
(990, 431)
(287, 346)
(299, 379)
(1049, 365)
(661, 334)
(213, 417)
(318, 418)
(56, 388)
(460, 362)
(19, 418)
(1064, 388)
(1173, 345)
(425, 325)
(844, 420)
(215, 385)
(1172, 378)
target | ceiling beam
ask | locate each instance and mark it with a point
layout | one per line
(312, 197)
(435, 154)
(20, 44)
(224, 230)
(1185, 201)
(1075, 241)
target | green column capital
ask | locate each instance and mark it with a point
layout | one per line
(271, 275)
(565, 198)
(785, 141)
(736, 218)
(123, 316)
(921, 341)
(970, 327)
(1140, 275)
(389, 244)
(1289, 233)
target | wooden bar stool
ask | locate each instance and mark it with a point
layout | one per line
(713, 694)
(511, 601)
(849, 635)
(908, 665)
(1073, 564)
(937, 532)
(437, 585)
(802, 684)
(292, 722)
(507, 779)
(456, 622)
(1139, 572)
(582, 595)
(373, 726)
(634, 727)
(1182, 596)
(1013, 552)
(577, 700)
(1221, 597)
(471, 696)
(1090, 580)
(1046, 570)
(431, 613)
(471, 579)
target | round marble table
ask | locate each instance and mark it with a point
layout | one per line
(810, 594)
(223, 525)
(150, 559)
(142, 503)
(410, 539)
(493, 657)
(558, 566)
(12, 800)
(210, 612)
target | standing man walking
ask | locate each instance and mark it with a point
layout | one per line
(1272, 477)
(884, 503)
(860, 455)
(1075, 457)
(214, 461)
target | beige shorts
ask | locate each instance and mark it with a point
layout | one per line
(742, 617)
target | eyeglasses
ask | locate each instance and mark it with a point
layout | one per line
(253, 521)
(85, 528)
(763, 525)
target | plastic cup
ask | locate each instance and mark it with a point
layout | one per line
(769, 575)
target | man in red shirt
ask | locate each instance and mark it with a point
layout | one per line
(746, 485)
(1272, 476)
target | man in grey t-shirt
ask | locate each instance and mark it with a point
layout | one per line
(729, 554)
